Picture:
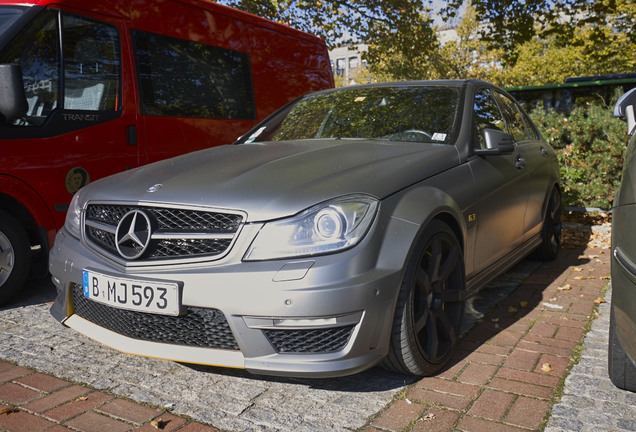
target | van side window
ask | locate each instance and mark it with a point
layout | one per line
(91, 64)
(37, 51)
(189, 79)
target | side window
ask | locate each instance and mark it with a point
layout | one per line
(91, 64)
(486, 115)
(36, 50)
(188, 79)
(516, 125)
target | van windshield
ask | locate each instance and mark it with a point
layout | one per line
(8, 15)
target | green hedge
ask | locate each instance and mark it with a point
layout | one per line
(590, 144)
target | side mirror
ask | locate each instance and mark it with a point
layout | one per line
(13, 102)
(497, 142)
(624, 109)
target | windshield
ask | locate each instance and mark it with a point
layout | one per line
(407, 113)
(8, 15)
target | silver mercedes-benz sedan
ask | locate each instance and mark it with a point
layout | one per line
(345, 231)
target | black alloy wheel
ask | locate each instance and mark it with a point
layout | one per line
(430, 305)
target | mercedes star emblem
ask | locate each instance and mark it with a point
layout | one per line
(133, 234)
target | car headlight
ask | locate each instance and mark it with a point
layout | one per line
(74, 217)
(328, 227)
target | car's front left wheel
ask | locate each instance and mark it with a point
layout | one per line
(430, 306)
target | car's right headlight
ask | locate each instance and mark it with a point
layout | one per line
(325, 228)
(74, 217)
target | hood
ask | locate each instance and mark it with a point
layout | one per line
(277, 179)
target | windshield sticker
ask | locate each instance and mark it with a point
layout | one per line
(255, 135)
(437, 136)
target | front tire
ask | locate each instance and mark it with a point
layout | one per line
(15, 258)
(430, 304)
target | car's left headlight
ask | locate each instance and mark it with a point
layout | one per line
(328, 227)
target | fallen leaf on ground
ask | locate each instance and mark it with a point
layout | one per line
(600, 300)
(81, 398)
(8, 411)
(545, 367)
(579, 278)
(605, 278)
(158, 424)
(565, 287)
(429, 417)
(512, 309)
(523, 304)
(577, 269)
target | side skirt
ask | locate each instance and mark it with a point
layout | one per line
(487, 275)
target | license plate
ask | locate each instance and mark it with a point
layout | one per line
(159, 297)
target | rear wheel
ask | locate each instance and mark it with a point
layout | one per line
(621, 369)
(430, 305)
(15, 258)
(551, 231)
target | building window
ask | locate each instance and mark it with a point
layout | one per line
(340, 67)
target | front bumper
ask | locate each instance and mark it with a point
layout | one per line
(313, 317)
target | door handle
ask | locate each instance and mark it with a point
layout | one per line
(131, 136)
(520, 162)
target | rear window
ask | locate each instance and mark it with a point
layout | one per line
(188, 79)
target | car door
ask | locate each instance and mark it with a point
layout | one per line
(500, 183)
(535, 153)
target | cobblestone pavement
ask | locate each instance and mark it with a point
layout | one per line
(521, 336)
(590, 402)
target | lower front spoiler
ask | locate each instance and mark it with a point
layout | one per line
(292, 365)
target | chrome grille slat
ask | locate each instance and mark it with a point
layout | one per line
(178, 233)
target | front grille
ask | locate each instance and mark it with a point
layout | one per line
(198, 327)
(327, 340)
(176, 233)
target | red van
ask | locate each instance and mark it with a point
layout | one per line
(88, 89)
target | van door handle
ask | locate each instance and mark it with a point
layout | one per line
(520, 162)
(131, 136)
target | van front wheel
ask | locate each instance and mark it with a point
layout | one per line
(15, 259)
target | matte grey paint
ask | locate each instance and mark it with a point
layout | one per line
(495, 206)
